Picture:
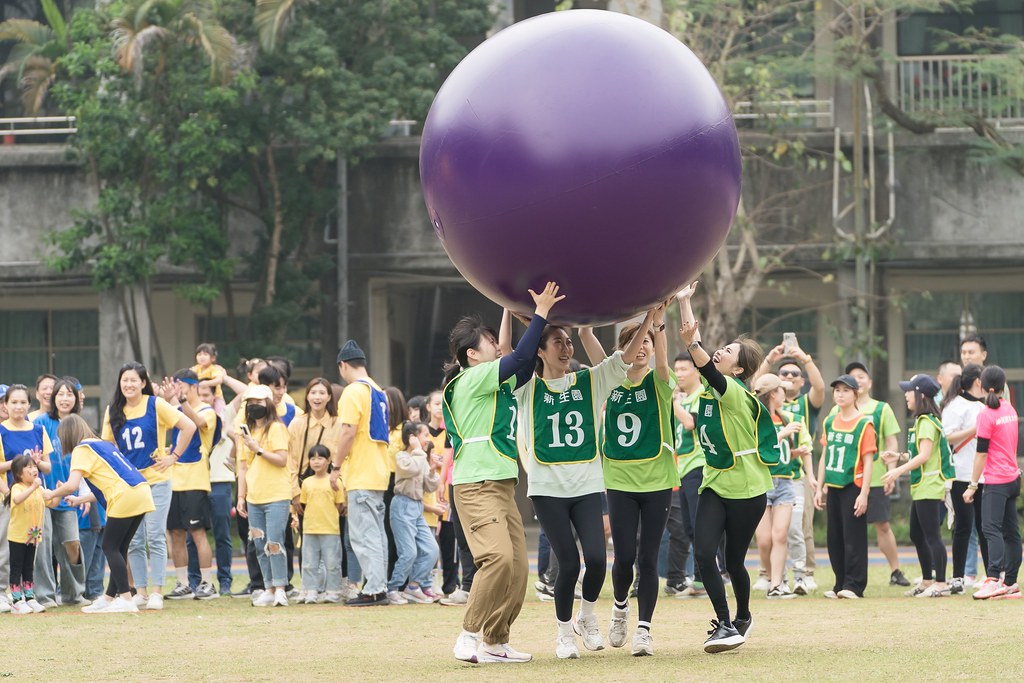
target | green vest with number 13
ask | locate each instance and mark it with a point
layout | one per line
(563, 422)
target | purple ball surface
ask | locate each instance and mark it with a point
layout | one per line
(586, 147)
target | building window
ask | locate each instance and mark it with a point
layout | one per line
(33, 343)
(934, 324)
(925, 33)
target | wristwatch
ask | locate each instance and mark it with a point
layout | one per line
(660, 328)
(693, 345)
(259, 451)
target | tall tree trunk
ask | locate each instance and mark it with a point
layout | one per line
(274, 251)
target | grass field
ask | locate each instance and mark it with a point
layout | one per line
(884, 636)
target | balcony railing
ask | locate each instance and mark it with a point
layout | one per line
(946, 84)
(807, 113)
(30, 127)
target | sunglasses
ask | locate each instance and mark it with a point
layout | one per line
(790, 373)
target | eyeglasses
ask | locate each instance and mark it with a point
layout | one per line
(790, 373)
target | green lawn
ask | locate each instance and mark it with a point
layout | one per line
(885, 636)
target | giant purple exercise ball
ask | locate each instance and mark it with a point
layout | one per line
(586, 147)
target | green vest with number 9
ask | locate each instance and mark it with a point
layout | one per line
(632, 422)
(563, 422)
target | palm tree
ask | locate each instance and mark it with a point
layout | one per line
(33, 59)
(144, 24)
(272, 16)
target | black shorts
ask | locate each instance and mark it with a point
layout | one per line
(190, 510)
(879, 505)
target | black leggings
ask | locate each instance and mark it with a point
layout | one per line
(116, 537)
(23, 557)
(1002, 529)
(647, 513)
(736, 519)
(926, 533)
(965, 518)
(584, 515)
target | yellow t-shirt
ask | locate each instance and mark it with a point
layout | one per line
(368, 459)
(167, 417)
(265, 482)
(320, 515)
(26, 515)
(212, 371)
(195, 475)
(430, 498)
(306, 432)
(26, 427)
(123, 499)
(394, 447)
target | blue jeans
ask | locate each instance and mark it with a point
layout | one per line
(152, 533)
(369, 540)
(267, 522)
(94, 561)
(325, 549)
(355, 574)
(220, 509)
(415, 542)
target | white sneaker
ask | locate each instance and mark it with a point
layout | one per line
(762, 584)
(98, 605)
(810, 583)
(309, 598)
(5, 606)
(396, 598)
(586, 627)
(417, 595)
(565, 647)
(139, 600)
(643, 644)
(457, 597)
(281, 597)
(618, 627)
(119, 605)
(264, 599)
(21, 607)
(502, 653)
(465, 646)
(800, 586)
(331, 597)
(155, 602)
(349, 592)
(34, 604)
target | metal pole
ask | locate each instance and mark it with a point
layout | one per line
(343, 297)
(859, 224)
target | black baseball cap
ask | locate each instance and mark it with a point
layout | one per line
(923, 384)
(856, 365)
(846, 380)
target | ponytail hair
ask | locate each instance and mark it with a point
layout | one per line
(750, 357)
(548, 333)
(961, 384)
(464, 336)
(993, 381)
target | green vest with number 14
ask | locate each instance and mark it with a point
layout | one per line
(632, 422)
(563, 422)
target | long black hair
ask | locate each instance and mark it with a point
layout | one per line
(116, 408)
(545, 336)
(993, 381)
(18, 465)
(71, 386)
(961, 384)
(464, 336)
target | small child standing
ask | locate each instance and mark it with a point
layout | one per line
(414, 540)
(321, 530)
(210, 374)
(24, 531)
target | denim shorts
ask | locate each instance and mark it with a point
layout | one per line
(784, 492)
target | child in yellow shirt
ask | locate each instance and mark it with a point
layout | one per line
(210, 374)
(321, 530)
(24, 531)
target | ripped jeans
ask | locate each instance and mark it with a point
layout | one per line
(267, 524)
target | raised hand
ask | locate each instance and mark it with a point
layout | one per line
(688, 331)
(546, 299)
(686, 292)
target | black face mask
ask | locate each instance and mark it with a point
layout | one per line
(255, 411)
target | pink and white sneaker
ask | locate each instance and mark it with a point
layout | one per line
(1012, 593)
(990, 588)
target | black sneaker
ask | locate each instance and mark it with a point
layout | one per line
(181, 592)
(367, 600)
(675, 588)
(245, 593)
(744, 626)
(633, 592)
(205, 591)
(956, 587)
(722, 637)
(897, 579)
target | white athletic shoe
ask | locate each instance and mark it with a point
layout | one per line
(118, 606)
(455, 598)
(5, 606)
(99, 604)
(586, 627)
(810, 583)
(847, 594)
(643, 644)
(396, 598)
(465, 646)
(502, 653)
(618, 627)
(762, 584)
(264, 599)
(280, 597)
(21, 607)
(565, 647)
(331, 597)
(417, 595)
(310, 598)
(34, 604)
(139, 600)
(155, 602)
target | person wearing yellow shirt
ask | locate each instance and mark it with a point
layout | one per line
(190, 511)
(321, 535)
(265, 489)
(24, 531)
(363, 412)
(117, 485)
(137, 421)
